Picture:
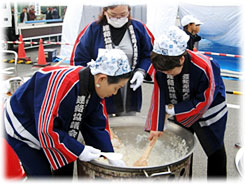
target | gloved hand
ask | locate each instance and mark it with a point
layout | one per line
(89, 153)
(170, 109)
(137, 80)
(118, 163)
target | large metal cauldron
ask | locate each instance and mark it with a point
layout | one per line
(180, 168)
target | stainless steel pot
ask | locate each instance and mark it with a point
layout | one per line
(240, 160)
(180, 168)
(15, 83)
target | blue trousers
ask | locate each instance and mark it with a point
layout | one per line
(34, 161)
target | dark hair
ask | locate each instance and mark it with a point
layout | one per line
(186, 26)
(116, 79)
(102, 18)
(165, 63)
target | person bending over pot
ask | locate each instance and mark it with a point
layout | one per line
(188, 86)
(44, 116)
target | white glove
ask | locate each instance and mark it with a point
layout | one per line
(170, 111)
(118, 163)
(89, 153)
(137, 80)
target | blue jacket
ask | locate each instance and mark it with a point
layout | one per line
(40, 113)
(206, 108)
(86, 48)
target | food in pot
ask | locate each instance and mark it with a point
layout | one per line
(167, 149)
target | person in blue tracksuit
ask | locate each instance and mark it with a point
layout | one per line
(44, 116)
(188, 86)
(115, 28)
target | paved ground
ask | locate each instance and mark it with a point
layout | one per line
(232, 136)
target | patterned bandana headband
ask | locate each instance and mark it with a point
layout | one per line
(111, 62)
(173, 43)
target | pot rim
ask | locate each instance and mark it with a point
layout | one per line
(130, 168)
(156, 167)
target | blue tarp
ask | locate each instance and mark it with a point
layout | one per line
(226, 63)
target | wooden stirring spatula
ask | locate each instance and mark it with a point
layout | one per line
(142, 161)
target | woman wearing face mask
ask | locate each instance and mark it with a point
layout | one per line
(116, 29)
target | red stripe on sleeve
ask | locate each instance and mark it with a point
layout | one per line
(76, 44)
(50, 139)
(151, 70)
(204, 64)
(152, 117)
(107, 128)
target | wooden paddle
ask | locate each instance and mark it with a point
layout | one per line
(142, 161)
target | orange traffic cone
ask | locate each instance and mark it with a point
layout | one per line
(21, 52)
(21, 49)
(41, 56)
(13, 168)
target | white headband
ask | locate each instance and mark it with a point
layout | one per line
(111, 62)
(173, 43)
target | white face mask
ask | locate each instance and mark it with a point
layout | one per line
(117, 23)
